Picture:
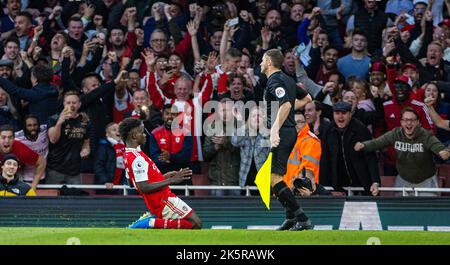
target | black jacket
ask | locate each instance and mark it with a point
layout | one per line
(372, 24)
(43, 98)
(363, 164)
(105, 163)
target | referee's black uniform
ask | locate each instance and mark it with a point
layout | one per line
(282, 88)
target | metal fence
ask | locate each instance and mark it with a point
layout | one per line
(404, 190)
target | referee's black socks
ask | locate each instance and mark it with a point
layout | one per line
(287, 199)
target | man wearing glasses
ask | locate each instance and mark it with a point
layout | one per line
(392, 115)
(414, 147)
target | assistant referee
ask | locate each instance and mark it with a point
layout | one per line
(282, 89)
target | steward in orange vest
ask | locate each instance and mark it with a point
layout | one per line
(305, 155)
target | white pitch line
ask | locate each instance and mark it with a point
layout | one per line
(405, 228)
(439, 228)
(221, 227)
(262, 227)
(323, 227)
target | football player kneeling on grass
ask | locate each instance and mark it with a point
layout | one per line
(167, 210)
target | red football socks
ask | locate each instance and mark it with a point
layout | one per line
(172, 224)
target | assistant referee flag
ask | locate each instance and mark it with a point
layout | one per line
(262, 180)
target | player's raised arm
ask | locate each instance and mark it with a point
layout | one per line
(140, 170)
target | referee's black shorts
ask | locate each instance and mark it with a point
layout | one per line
(280, 154)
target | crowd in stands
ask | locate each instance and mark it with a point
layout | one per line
(71, 70)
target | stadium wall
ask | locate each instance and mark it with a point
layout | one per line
(352, 213)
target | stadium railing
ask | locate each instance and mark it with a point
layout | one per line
(351, 190)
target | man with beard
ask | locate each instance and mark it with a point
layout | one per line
(357, 62)
(322, 67)
(170, 146)
(271, 34)
(290, 26)
(392, 115)
(134, 81)
(34, 135)
(414, 147)
(8, 145)
(378, 81)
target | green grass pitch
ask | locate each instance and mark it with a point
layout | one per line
(122, 236)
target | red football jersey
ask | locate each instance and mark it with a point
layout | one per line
(139, 167)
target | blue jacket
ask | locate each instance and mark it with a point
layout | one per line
(43, 98)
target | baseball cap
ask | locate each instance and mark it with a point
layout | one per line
(425, 2)
(9, 157)
(6, 62)
(404, 79)
(342, 107)
(409, 65)
(445, 22)
(378, 67)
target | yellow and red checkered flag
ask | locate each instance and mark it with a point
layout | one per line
(262, 180)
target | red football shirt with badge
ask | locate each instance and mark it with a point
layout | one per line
(139, 167)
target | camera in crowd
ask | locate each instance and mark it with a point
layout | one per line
(303, 182)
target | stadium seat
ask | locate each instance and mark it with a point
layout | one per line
(387, 181)
(47, 192)
(200, 180)
(443, 173)
(87, 178)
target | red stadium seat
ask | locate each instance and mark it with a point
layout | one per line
(47, 192)
(200, 180)
(443, 173)
(387, 181)
(87, 178)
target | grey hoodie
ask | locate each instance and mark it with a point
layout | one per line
(414, 156)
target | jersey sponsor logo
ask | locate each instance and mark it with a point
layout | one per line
(392, 116)
(163, 141)
(280, 92)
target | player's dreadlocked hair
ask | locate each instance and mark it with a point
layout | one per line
(127, 125)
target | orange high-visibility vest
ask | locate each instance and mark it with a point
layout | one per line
(306, 154)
